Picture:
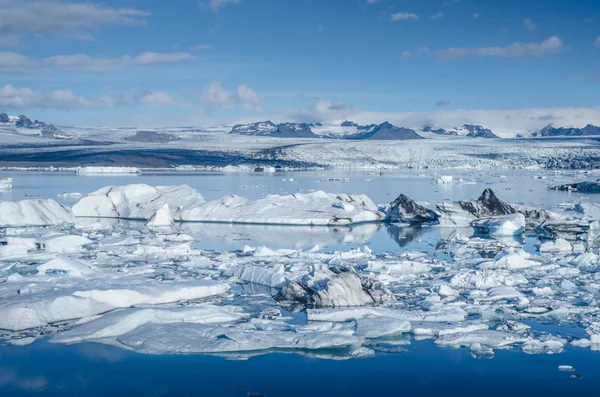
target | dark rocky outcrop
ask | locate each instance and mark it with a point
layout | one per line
(404, 209)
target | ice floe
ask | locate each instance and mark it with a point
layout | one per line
(34, 213)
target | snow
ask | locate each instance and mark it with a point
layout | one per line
(33, 213)
(136, 201)
(107, 170)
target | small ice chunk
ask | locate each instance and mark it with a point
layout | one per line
(444, 179)
(162, 217)
(498, 226)
(558, 245)
(6, 183)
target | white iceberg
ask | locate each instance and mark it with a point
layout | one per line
(6, 183)
(318, 208)
(107, 170)
(34, 213)
(499, 226)
(161, 218)
(136, 201)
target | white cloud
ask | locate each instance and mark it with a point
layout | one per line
(54, 17)
(436, 16)
(551, 46)
(20, 98)
(155, 99)
(597, 42)
(215, 96)
(323, 110)
(86, 62)
(216, 5)
(403, 16)
(248, 98)
(529, 23)
(420, 52)
(149, 58)
(13, 62)
(200, 47)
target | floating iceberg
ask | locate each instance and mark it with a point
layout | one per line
(498, 226)
(404, 209)
(6, 183)
(34, 213)
(318, 208)
(161, 218)
(107, 170)
(136, 201)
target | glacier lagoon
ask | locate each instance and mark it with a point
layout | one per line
(440, 333)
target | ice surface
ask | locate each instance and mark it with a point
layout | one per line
(136, 201)
(33, 212)
(107, 170)
(153, 290)
(162, 217)
(6, 183)
(318, 208)
(498, 226)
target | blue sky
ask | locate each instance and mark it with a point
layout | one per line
(111, 62)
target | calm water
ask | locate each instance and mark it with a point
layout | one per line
(423, 369)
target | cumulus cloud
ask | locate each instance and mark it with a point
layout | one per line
(155, 99)
(529, 23)
(215, 96)
(216, 5)
(13, 97)
(436, 16)
(323, 110)
(420, 52)
(551, 46)
(54, 17)
(403, 16)
(443, 102)
(248, 98)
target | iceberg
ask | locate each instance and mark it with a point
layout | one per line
(318, 208)
(161, 218)
(34, 213)
(404, 209)
(334, 287)
(137, 201)
(6, 183)
(107, 170)
(499, 226)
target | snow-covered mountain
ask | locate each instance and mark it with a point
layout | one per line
(22, 121)
(569, 131)
(468, 130)
(383, 131)
(268, 128)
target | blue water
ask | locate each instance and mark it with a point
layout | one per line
(92, 369)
